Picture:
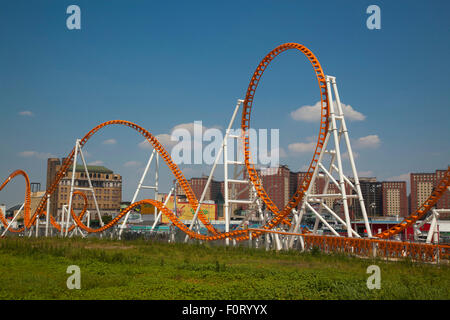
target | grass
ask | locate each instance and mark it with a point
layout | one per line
(36, 269)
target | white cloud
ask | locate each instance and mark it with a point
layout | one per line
(312, 113)
(402, 177)
(35, 154)
(130, 164)
(368, 173)
(281, 152)
(96, 163)
(163, 138)
(301, 147)
(190, 126)
(168, 143)
(345, 155)
(370, 141)
(26, 113)
(110, 141)
(145, 145)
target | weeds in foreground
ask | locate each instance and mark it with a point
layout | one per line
(137, 269)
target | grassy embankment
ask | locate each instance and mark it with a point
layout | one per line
(36, 269)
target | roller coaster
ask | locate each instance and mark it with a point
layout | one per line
(363, 246)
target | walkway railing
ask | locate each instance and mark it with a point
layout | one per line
(388, 249)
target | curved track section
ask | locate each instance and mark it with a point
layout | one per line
(245, 126)
(437, 193)
(27, 202)
(279, 217)
(156, 145)
(29, 221)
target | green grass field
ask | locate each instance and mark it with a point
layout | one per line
(36, 269)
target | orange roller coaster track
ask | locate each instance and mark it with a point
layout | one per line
(279, 216)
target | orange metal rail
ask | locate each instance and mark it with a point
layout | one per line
(437, 193)
(371, 247)
(245, 126)
(280, 216)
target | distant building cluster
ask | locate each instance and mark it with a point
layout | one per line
(381, 198)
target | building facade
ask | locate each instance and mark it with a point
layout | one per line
(395, 200)
(277, 182)
(381, 198)
(422, 185)
(371, 190)
(106, 184)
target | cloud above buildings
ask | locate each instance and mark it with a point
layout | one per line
(166, 139)
(132, 164)
(35, 154)
(345, 155)
(402, 177)
(370, 141)
(368, 173)
(312, 113)
(96, 163)
(110, 141)
(26, 113)
(302, 147)
(307, 146)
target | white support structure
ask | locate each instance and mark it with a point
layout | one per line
(47, 216)
(232, 198)
(78, 150)
(332, 171)
(227, 199)
(433, 232)
(141, 186)
(37, 226)
(13, 219)
(158, 216)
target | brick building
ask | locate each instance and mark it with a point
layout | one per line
(422, 185)
(107, 186)
(395, 201)
(198, 185)
(444, 202)
(277, 183)
(387, 198)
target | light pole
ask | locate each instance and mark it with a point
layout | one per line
(372, 206)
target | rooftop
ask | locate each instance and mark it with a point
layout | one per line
(96, 169)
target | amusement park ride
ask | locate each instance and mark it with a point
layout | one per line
(281, 228)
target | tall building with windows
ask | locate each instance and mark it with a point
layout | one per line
(199, 184)
(381, 198)
(422, 185)
(318, 187)
(444, 202)
(277, 183)
(371, 190)
(107, 186)
(395, 201)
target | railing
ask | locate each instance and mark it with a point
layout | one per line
(388, 249)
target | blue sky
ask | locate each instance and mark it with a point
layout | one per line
(161, 64)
